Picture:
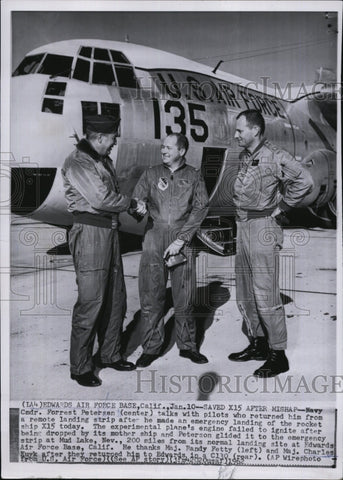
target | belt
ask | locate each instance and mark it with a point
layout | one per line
(95, 220)
(251, 214)
(177, 223)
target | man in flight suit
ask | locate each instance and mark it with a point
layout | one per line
(177, 203)
(269, 182)
(93, 197)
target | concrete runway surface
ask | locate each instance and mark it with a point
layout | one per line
(43, 292)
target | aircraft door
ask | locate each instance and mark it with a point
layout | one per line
(211, 167)
(219, 171)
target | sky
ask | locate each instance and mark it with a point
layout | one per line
(285, 46)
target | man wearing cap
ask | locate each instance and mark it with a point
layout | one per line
(177, 202)
(94, 199)
(269, 182)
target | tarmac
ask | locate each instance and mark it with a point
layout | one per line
(43, 292)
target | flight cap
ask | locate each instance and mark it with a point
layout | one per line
(102, 123)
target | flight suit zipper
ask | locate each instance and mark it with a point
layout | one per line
(247, 162)
(170, 196)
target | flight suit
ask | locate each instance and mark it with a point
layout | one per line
(177, 204)
(267, 178)
(93, 197)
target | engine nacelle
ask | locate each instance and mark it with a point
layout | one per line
(322, 166)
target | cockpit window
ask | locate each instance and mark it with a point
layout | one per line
(28, 65)
(126, 77)
(118, 57)
(56, 88)
(99, 66)
(112, 109)
(86, 52)
(52, 105)
(101, 54)
(81, 71)
(58, 65)
(103, 74)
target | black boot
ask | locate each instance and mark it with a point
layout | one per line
(146, 359)
(195, 357)
(277, 363)
(87, 379)
(257, 350)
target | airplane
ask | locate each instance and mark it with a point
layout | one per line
(56, 86)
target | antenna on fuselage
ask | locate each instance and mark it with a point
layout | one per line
(127, 38)
(217, 66)
(75, 135)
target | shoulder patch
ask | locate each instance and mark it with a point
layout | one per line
(274, 148)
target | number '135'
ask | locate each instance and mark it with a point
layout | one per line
(199, 133)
